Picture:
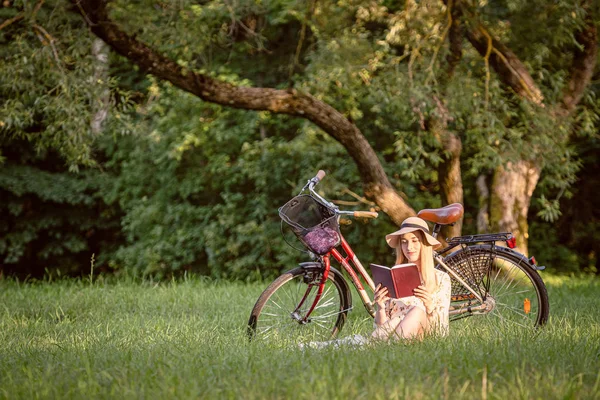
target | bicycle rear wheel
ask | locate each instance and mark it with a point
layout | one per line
(513, 292)
(280, 311)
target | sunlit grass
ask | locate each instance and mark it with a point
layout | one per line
(187, 340)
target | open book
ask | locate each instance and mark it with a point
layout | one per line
(400, 280)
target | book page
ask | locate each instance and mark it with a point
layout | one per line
(406, 278)
(382, 274)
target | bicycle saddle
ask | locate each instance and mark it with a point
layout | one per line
(443, 216)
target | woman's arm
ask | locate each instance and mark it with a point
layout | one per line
(426, 297)
(381, 298)
(380, 316)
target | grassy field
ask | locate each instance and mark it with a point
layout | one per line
(74, 339)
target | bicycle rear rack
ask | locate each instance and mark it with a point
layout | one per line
(482, 238)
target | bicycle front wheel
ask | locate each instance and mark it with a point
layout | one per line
(280, 313)
(513, 292)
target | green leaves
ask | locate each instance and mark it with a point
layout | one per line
(549, 209)
(188, 186)
(50, 220)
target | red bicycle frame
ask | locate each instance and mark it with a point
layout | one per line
(345, 262)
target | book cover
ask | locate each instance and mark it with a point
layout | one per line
(400, 280)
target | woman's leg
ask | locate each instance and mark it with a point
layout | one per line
(413, 325)
(387, 329)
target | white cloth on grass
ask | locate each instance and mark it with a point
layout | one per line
(354, 340)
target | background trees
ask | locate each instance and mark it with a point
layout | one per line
(408, 104)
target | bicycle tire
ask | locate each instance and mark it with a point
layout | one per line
(505, 280)
(272, 316)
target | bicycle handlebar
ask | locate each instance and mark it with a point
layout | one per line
(366, 214)
(317, 178)
(314, 181)
(320, 175)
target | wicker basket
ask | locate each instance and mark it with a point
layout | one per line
(313, 223)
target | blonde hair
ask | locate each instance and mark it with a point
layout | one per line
(427, 268)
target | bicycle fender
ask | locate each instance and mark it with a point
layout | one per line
(310, 264)
(522, 258)
(516, 254)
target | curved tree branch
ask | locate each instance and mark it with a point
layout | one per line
(11, 21)
(507, 65)
(376, 183)
(514, 74)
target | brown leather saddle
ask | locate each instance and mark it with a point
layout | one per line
(444, 216)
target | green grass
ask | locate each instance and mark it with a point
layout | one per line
(187, 340)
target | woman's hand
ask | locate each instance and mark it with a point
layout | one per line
(422, 293)
(381, 296)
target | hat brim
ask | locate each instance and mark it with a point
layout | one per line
(393, 238)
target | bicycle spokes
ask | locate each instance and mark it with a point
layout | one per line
(285, 314)
(510, 292)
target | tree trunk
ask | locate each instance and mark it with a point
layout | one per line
(450, 180)
(510, 195)
(449, 175)
(504, 202)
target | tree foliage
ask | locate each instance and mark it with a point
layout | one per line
(176, 184)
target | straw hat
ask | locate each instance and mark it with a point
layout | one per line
(412, 224)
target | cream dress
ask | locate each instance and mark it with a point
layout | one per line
(438, 320)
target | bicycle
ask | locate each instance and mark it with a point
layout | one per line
(312, 301)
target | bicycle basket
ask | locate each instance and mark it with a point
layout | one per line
(314, 224)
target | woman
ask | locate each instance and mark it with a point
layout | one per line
(426, 311)
(409, 317)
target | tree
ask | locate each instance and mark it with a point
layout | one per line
(512, 183)
(397, 85)
(51, 218)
